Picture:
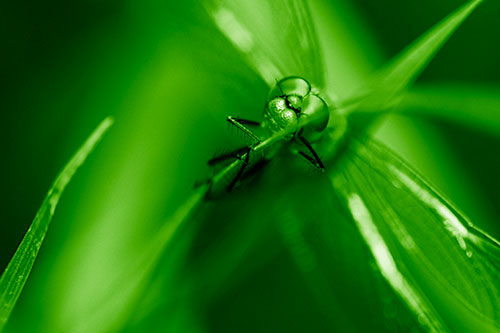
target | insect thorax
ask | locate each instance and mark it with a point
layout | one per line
(290, 101)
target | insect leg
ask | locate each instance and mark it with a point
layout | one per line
(239, 123)
(315, 160)
(308, 158)
(242, 169)
(238, 153)
(246, 121)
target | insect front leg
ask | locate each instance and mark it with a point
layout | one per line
(240, 124)
(315, 160)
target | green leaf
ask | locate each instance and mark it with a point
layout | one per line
(284, 238)
(445, 269)
(16, 274)
(475, 106)
(121, 302)
(277, 38)
(382, 89)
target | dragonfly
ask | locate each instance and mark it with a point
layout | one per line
(414, 234)
(294, 115)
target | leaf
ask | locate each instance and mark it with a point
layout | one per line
(470, 105)
(277, 38)
(382, 89)
(401, 227)
(283, 238)
(121, 302)
(445, 269)
(17, 272)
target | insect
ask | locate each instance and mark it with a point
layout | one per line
(402, 219)
(291, 102)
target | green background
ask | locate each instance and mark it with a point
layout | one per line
(169, 78)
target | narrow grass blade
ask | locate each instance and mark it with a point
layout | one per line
(469, 105)
(16, 274)
(381, 90)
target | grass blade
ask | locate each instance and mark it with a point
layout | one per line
(470, 105)
(274, 45)
(387, 83)
(16, 274)
(122, 301)
(444, 268)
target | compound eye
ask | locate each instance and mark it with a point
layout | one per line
(292, 85)
(278, 115)
(294, 102)
(277, 105)
(314, 106)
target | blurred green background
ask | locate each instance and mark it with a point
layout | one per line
(169, 78)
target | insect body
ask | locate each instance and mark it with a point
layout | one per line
(293, 114)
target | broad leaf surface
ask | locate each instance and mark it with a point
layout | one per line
(444, 268)
(277, 38)
(126, 295)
